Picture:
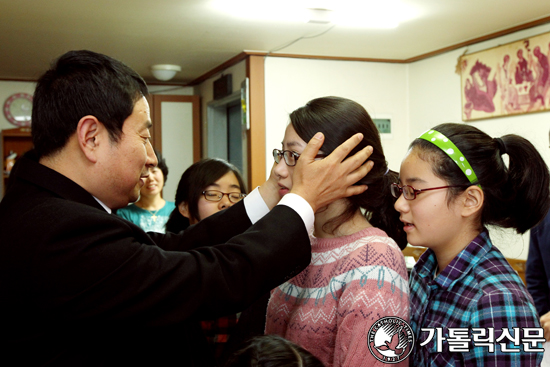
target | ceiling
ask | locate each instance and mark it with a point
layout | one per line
(199, 37)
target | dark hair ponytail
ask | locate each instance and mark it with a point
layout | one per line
(527, 187)
(517, 196)
(339, 119)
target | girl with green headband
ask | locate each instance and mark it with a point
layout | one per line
(468, 306)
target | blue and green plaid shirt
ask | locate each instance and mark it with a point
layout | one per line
(477, 311)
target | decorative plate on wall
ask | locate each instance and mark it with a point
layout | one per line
(18, 109)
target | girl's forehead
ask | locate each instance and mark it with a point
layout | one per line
(413, 167)
(292, 140)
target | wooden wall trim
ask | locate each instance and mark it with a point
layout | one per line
(232, 61)
(256, 136)
(243, 55)
(488, 37)
(337, 58)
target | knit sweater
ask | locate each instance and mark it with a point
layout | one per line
(351, 282)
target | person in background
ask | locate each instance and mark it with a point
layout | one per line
(272, 351)
(537, 277)
(151, 211)
(83, 287)
(205, 188)
(357, 274)
(453, 183)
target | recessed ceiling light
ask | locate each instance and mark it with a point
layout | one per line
(348, 13)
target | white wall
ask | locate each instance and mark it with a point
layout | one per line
(434, 97)
(381, 88)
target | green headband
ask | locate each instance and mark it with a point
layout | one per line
(447, 146)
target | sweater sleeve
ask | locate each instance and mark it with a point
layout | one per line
(374, 292)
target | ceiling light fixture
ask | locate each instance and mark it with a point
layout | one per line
(165, 72)
(319, 16)
(344, 13)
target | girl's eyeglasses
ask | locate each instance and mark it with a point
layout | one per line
(409, 192)
(289, 156)
(214, 195)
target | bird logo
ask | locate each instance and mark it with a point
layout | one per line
(390, 339)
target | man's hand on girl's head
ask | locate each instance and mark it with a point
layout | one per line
(320, 182)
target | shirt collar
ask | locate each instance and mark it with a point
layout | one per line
(459, 266)
(104, 206)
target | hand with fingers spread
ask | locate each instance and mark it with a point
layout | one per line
(321, 182)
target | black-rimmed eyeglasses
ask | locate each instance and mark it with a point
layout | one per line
(215, 195)
(289, 156)
(409, 192)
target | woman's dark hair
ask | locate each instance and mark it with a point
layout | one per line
(162, 165)
(339, 119)
(82, 83)
(194, 180)
(517, 196)
(272, 351)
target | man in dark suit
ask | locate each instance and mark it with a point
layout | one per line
(82, 287)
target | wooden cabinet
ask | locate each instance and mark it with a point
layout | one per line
(16, 140)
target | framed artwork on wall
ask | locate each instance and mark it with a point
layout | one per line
(506, 80)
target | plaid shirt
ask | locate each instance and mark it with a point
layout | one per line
(478, 289)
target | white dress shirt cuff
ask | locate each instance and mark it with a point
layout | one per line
(255, 206)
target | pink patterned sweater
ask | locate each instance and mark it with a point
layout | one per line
(328, 308)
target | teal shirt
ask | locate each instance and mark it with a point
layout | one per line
(149, 221)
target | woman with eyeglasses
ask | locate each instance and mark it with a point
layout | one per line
(469, 307)
(205, 188)
(357, 274)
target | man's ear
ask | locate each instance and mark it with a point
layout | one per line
(473, 199)
(88, 134)
(184, 210)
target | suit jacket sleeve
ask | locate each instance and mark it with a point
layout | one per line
(213, 230)
(95, 267)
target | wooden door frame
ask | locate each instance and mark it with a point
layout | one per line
(255, 69)
(155, 101)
